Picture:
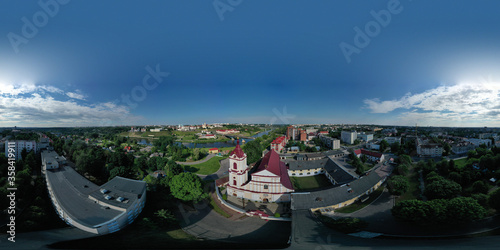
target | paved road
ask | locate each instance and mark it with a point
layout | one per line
(309, 233)
(203, 222)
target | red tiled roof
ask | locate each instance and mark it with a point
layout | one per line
(238, 151)
(214, 149)
(222, 181)
(271, 162)
(367, 152)
(323, 132)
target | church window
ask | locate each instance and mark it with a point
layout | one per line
(266, 187)
(235, 166)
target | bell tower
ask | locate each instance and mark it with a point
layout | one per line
(238, 169)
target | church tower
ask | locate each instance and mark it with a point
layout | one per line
(238, 169)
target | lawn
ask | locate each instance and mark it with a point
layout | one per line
(209, 167)
(217, 209)
(414, 189)
(359, 205)
(460, 164)
(310, 182)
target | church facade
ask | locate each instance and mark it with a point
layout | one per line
(269, 182)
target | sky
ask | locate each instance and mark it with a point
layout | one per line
(122, 62)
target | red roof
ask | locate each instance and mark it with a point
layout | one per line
(238, 151)
(323, 132)
(271, 162)
(214, 149)
(367, 152)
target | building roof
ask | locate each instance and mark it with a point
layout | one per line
(367, 152)
(72, 190)
(271, 162)
(238, 151)
(75, 195)
(305, 165)
(214, 149)
(338, 172)
(339, 194)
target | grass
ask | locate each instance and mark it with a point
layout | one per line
(310, 182)
(414, 188)
(359, 205)
(209, 167)
(217, 209)
(460, 164)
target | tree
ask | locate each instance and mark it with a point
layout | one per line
(494, 199)
(446, 149)
(398, 184)
(383, 145)
(463, 209)
(165, 216)
(401, 169)
(442, 189)
(187, 187)
(479, 187)
(395, 147)
(196, 154)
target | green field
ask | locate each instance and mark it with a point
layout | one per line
(209, 167)
(310, 182)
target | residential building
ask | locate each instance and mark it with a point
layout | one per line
(348, 137)
(331, 143)
(82, 204)
(213, 151)
(19, 146)
(427, 149)
(392, 140)
(373, 145)
(296, 134)
(478, 142)
(372, 156)
(365, 137)
(278, 144)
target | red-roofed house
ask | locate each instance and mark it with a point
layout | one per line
(213, 151)
(278, 144)
(268, 183)
(373, 156)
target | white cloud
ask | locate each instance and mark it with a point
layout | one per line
(460, 103)
(76, 96)
(30, 105)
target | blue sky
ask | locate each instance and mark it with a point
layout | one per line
(432, 62)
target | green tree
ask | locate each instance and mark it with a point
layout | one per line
(442, 189)
(187, 187)
(383, 145)
(494, 199)
(196, 154)
(480, 187)
(398, 184)
(165, 216)
(395, 147)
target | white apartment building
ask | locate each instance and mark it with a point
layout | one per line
(348, 137)
(332, 143)
(392, 140)
(19, 145)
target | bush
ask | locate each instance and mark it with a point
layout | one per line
(277, 215)
(398, 184)
(344, 225)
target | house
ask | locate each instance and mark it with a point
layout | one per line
(278, 144)
(213, 151)
(372, 156)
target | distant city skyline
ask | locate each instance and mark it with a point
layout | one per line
(401, 63)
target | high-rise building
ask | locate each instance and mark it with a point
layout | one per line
(18, 146)
(348, 136)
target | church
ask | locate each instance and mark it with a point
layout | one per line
(269, 182)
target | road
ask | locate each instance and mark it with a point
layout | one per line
(309, 233)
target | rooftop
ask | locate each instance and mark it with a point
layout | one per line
(73, 193)
(336, 195)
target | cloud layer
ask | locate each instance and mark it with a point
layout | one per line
(41, 105)
(459, 104)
